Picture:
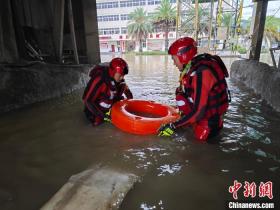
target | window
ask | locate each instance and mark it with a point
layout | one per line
(105, 18)
(109, 31)
(125, 17)
(144, 44)
(107, 5)
(132, 3)
(153, 2)
(124, 30)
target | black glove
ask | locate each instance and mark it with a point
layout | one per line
(166, 130)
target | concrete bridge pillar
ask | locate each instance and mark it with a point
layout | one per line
(91, 31)
(258, 23)
(8, 46)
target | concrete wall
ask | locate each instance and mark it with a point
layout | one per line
(23, 85)
(264, 79)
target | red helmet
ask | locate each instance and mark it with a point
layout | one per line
(184, 48)
(118, 65)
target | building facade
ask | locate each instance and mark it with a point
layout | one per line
(113, 17)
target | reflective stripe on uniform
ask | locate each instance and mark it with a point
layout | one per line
(105, 105)
(180, 103)
(190, 99)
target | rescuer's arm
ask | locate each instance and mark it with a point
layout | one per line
(202, 83)
(90, 99)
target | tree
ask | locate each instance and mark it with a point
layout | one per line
(139, 26)
(165, 18)
(272, 29)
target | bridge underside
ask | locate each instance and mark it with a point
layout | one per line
(55, 31)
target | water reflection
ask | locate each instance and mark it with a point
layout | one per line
(43, 145)
(169, 169)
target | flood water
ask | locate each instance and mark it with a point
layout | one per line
(42, 145)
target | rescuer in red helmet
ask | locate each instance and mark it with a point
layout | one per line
(202, 96)
(106, 86)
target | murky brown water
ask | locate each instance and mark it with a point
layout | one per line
(43, 145)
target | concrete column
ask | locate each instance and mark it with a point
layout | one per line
(58, 21)
(91, 31)
(72, 31)
(18, 18)
(8, 43)
(258, 21)
(1, 40)
(196, 23)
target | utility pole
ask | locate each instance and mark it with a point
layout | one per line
(210, 27)
(235, 18)
(178, 18)
(218, 21)
(72, 31)
(196, 26)
(260, 9)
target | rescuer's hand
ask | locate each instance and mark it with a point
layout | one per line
(167, 130)
(107, 117)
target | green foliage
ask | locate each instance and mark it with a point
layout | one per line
(271, 30)
(227, 20)
(165, 12)
(165, 17)
(240, 49)
(272, 26)
(139, 26)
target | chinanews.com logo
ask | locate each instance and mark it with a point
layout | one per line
(251, 193)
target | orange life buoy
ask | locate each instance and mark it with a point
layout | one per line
(141, 116)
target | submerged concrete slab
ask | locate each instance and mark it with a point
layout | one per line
(262, 78)
(101, 188)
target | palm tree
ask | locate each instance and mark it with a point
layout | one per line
(139, 26)
(165, 18)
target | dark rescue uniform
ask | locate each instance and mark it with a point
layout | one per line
(101, 92)
(203, 96)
